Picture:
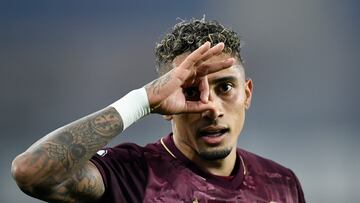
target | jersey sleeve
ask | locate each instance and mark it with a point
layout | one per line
(300, 193)
(124, 173)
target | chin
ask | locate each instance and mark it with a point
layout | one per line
(212, 155)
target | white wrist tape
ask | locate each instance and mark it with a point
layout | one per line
(132, 106)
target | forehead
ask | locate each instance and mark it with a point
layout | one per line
(234, 73)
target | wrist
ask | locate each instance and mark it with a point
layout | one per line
(132, 107)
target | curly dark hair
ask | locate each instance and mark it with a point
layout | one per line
(188, 36)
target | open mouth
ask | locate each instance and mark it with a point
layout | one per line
(213, 135)
(213, 132)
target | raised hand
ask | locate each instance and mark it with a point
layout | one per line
(185, 88)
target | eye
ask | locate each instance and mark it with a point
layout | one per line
(225, 87)
(192, 93)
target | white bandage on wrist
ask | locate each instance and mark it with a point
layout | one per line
(132, 106)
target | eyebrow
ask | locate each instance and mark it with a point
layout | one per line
(224, 79)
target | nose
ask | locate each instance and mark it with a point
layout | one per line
(216, 110)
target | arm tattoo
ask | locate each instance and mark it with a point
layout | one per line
(59, 161)
(87, 182)
(77, 142)
(160, 82)
(81, 187)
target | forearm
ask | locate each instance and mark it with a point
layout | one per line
(59, 154)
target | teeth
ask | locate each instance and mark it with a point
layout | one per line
(213, 133)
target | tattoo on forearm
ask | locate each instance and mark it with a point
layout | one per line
(59, 162)
(106, 124)
(79, 141)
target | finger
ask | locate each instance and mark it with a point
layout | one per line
(213, 51)
(196, 107)
(205, 69)
(195, 56)
(204, 90)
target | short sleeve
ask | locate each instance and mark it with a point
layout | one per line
(124, 172)
(300, 193)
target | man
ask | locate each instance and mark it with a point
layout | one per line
(203, 90)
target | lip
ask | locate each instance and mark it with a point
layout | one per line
(213, 135)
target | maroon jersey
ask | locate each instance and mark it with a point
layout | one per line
(159, 172)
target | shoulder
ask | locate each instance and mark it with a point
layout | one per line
(271, 175)
(127, 152)
(124, 153)
(124, 172)
(256, 163)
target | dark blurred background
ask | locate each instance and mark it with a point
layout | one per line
(61, 60)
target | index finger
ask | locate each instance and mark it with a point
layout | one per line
(205, 69)
(195, 56)
(215, 50)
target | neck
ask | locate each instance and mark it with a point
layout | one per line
(221, 167)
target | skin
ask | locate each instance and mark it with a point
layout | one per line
(57, 168)
(229, 96)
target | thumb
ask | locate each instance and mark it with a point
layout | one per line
(197, 107)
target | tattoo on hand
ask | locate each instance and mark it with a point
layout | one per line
(160, 82)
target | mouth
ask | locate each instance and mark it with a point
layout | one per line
(213, 135)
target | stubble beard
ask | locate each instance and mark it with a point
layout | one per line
(215, 154)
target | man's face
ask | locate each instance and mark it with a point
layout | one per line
(213, 134)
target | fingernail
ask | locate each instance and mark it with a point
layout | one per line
(220, 44)
(204, 99)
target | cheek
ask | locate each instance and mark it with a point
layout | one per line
(188, 119)
(236, 99)
(185, 123)
(236, 110)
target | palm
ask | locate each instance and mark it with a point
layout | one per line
(174, 104)
(166, 94)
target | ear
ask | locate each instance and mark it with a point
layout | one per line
(248, 92)
(168, 117)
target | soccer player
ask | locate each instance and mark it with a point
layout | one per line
(203, 90)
